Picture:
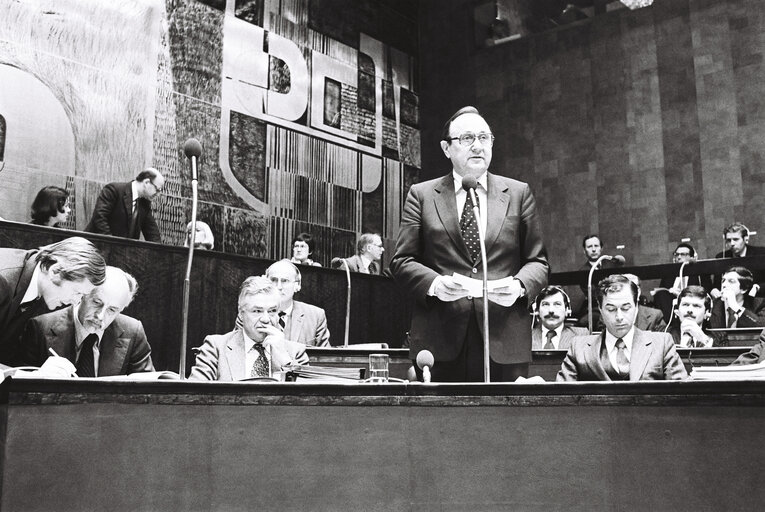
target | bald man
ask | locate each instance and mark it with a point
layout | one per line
(94, 335)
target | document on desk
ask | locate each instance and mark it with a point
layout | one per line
(475, 286)
(731, 372)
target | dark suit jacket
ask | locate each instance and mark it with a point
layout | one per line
(751, 250)
(354, 264)
(566, 335)
(308, 325)
(114, 212)
(123, 348)
(753, 315)
(430, 244)
(16, 269)
(719, 339)
(653, 358)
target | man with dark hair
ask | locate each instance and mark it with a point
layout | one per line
(735, 307)
(737, 241)
(93, 335)
(694, 307)
(438, 238)
(368, 257)
(593, 249)
(621, 351)
(39, 281)
(124, 209)
(551, 307)
(670, 286)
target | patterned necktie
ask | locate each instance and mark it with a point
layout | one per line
(622, 363)
(549, 345)
(260, 367)
(372, 268)
(282, 323)
(85, 363)
(731, 317)
(469, 228)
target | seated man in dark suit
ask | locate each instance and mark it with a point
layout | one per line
(737, 240)
(258, 348)
(124, 209)
(368, 257)
(670, 286)
(552, 306)
(688, 325)
(300, 322)
(736, 307)
(39, 281)
(755, 355)
(621, 351)
(93, 334)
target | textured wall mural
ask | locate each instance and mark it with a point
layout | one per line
(302, 131)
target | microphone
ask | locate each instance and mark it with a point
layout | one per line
(193, 150)
(425, 363)
(470, 183)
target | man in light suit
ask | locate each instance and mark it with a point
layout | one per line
(368, 257)
(258, 348)
(93, 335)
(301, 322)
(621, 352)
(552, 307)
(40, 281)
(124, 209)
(438, 238)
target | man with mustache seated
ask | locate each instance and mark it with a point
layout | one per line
(552, 307)
(694, 307)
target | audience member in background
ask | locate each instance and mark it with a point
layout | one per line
(50, 207)
(124, 209)
(735, 307)
(93, 335)
(303, 247)
(38, 281)
(647, 318)
(688, 325)
(552, 306)
(755, 355)
(258, 348)
(593, 249)
(203, 237)
(737, 240)
(670, 287)
(300, 322)
(621, 351)
(368, 257)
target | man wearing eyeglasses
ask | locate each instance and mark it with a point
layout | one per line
(368, 257)
(124, 209)
(438, 238)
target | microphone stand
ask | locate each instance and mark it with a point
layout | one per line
(187, 279)
(347, 304)
(485, 268)
(589, 288)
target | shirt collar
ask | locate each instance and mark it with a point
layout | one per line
(288, 311)
(482, 180)
(32, 290)
(611, 340)
(365, 260)
(80, 332)
(249, 343)
(134, 188)
(557, 331)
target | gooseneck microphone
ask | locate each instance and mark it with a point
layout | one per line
(618, 259)
(425, 362)
(469, 184)
(193, 150)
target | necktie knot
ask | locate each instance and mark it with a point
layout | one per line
(549, 345)
(622, 363)
(731, 317)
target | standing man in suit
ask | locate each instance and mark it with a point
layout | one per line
(438, 238)
(124, 209)
(368, 257)
(300, 322)
(552, 307)
(258, 348)
(94, 335)
(40, 281)
(688, 327)
(737, 240)
(735, 307)
(621, 351)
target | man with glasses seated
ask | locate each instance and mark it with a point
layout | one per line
(439, 236)
(299, 321)
(124, 209)
(670, 287)
(368, 257)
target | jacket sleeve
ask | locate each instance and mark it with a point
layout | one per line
(322, 332)
(107, 200)
(674, 369)
(535, 269)
(33, 345)
(568, 370)
(140, 356)
(149, 226)
(206, 365)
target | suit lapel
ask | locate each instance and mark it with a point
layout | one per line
(296, 324)
(496, 210)
(60, 336)
(112, 350)
(446, 208)
(641, 349)
(234, 356)
(593, 357)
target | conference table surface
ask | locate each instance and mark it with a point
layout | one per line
(86, 444)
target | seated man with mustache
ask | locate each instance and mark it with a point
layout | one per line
(552, 307)
(687, 326)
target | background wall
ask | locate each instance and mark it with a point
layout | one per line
(307, 112)
(646, 126)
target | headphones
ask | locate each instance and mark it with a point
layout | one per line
(546, 292)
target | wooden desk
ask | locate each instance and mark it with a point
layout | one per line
(654, 446)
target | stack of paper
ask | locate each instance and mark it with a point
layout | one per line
(733, 372)
(324, 373)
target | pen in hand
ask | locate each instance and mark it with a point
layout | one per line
(53, 353)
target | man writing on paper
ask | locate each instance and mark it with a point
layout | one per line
(438, 237)
(93, 335)
(621, 351)
(258, 348)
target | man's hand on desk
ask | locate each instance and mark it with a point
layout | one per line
(56, 366)
(446, 289)
(507, 295)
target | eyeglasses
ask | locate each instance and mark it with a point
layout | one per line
(468, 138)
(158, 189)
(682, 253)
